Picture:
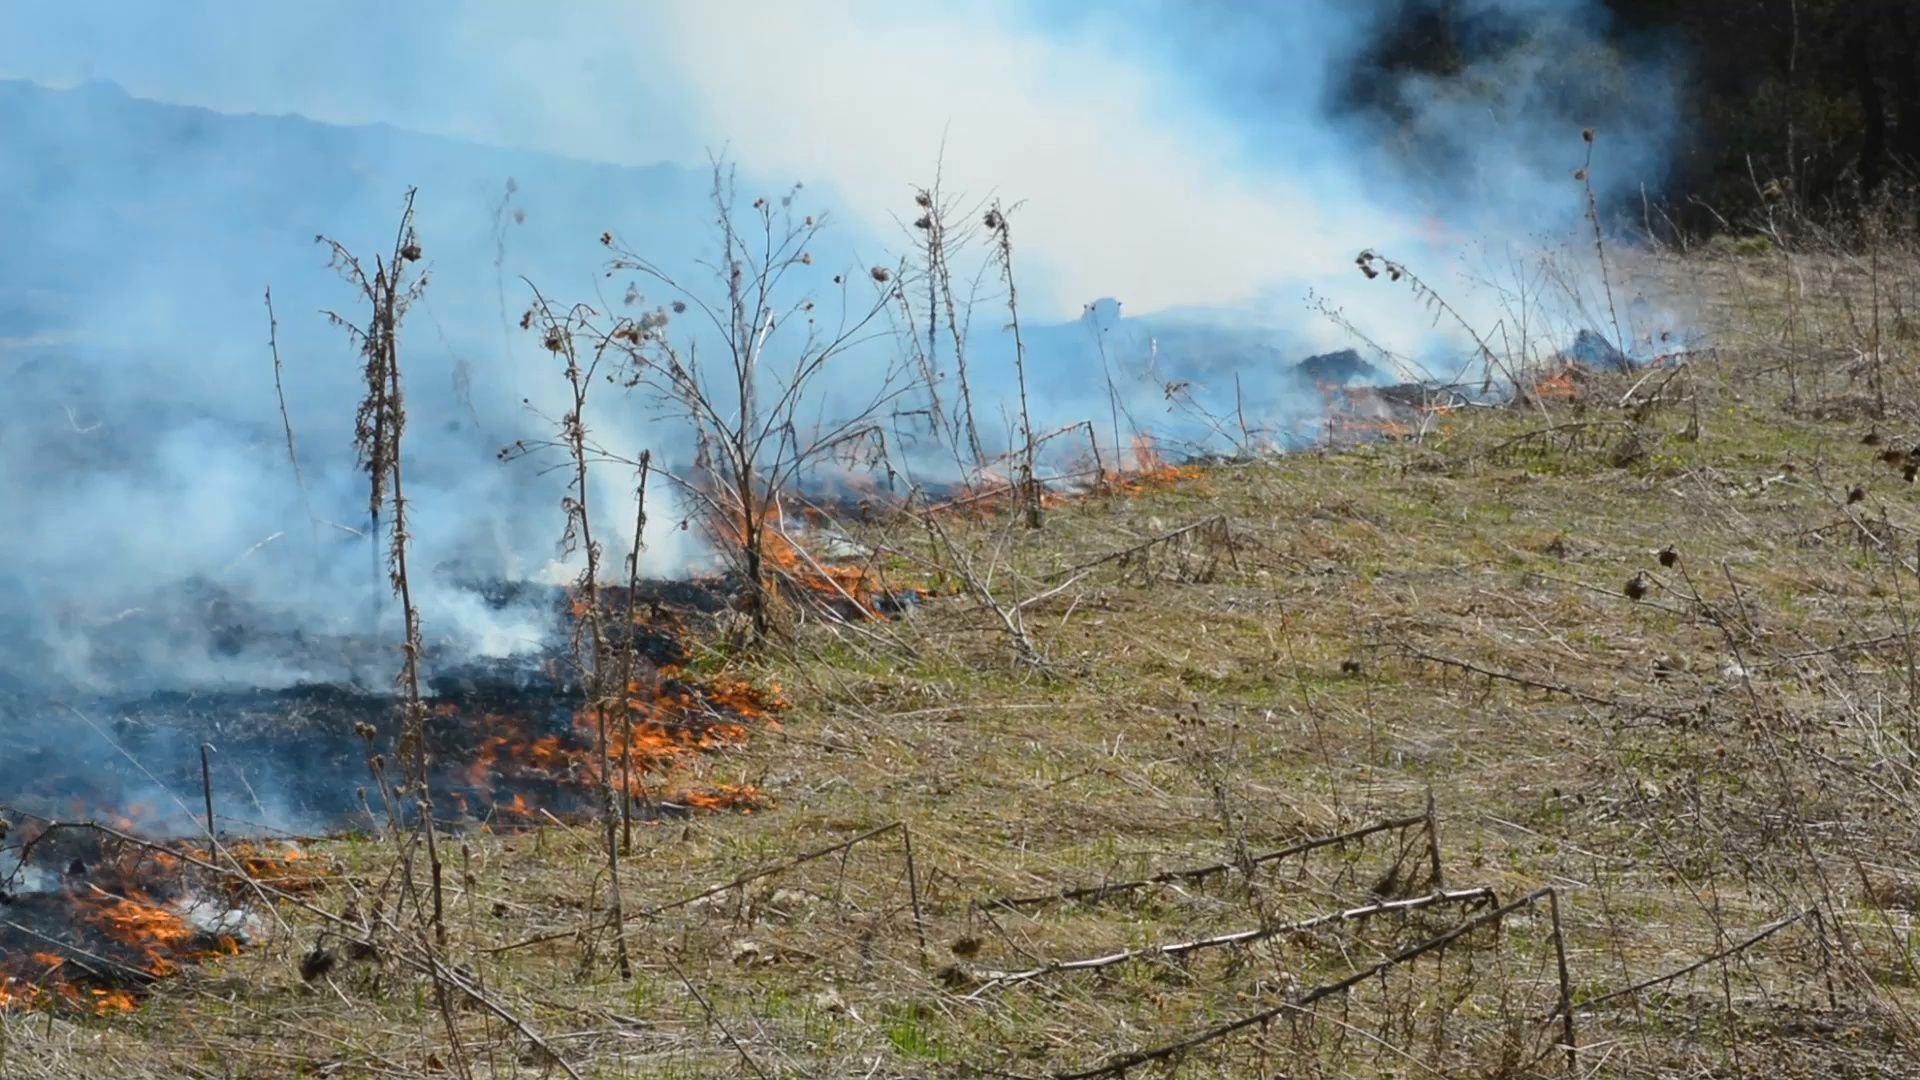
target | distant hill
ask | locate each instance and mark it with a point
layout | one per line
(140, 237)
(107, 197)
(143, 229)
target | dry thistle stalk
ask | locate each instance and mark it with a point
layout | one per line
(378, 427)
(1002, 235)
(940, 241)
(560, 334)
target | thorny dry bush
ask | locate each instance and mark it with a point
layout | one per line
(784, 340)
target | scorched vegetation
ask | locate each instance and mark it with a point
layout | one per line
(1569, 732)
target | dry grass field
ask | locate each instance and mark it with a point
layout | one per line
(1626, 674)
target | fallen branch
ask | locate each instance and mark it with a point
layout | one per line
(768, 871)
(714, 1019)
(962, 567)
(1861, 645)
(1048, 595)
(456, 979)
(1482, 895)
(1120, 1065)
(1532, 683)
(1658, 391)
(1756, 938)
(1167, 877)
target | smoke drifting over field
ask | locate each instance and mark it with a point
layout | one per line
(1208, 164)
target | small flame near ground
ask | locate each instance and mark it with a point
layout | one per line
(91, 916)
(1150, 470)
(996, 492)
(123, 915)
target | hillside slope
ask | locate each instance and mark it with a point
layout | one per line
(1646, 642)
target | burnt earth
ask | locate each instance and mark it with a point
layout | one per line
(88, 918)
(316, 758)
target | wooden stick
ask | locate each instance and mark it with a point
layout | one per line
(626, 705)
(206, 788)
(1120, 1065)
(1482, 895)
(1167, 877)
(1566, 985)
(1436, 877)
(1826, 957)
(1756, 938)
(913, 890)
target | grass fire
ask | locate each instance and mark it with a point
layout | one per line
(489, 588)
(97, 909)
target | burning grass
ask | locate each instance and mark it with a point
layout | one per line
(1712, 777)
(91, 918)
(508, 747)
(871, 588)
(94, 916)
(507, 774)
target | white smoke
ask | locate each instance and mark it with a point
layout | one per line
(1189, 158)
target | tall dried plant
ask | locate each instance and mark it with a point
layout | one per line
(1000, 230)
(606, 690)
(379, 424)
(944, 236)
(1585, 176)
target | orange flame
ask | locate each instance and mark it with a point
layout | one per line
(1150, 471)
(1558, 385)
(156, 938)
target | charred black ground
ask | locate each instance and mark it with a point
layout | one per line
(105, 882)
(312, 758)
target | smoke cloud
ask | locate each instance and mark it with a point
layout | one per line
(1211, 165)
